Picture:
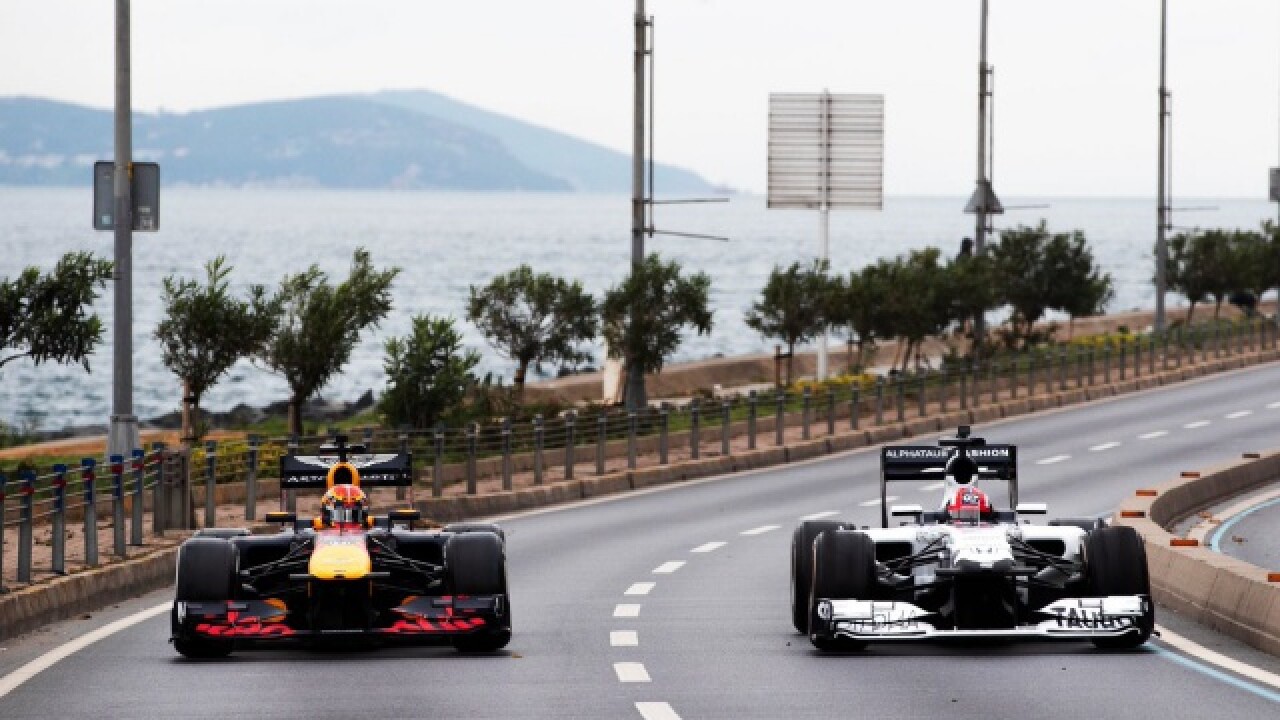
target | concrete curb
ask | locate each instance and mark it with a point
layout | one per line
(47, 602)
(1218, 591)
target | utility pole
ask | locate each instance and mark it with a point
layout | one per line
(984, 201)
(635, 390)
(1162, 200)
(122, 436)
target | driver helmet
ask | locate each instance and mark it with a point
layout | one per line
(969, 504)
(344, 504)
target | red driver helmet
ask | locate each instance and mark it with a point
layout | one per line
(970, 505)
(344, 504)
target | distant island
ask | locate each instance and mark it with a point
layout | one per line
(408, 139)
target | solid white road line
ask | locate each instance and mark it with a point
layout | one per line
(656, 711)
(1238, 414)
(708, 547)
(875, 502)
(667, 568)
(623, 638)
(1194, 649)
(631, 672)
(760, 530)
(933, 486)
(1052, 460)
(1196, 424)
(1153, 435)
(820, 515)
(626, 610)
(13, 680)
(1104, 446)
(640, 588)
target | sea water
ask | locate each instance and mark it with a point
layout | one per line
(446, 242)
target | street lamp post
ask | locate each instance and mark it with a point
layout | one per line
(635, 390)
(122, 435)
(1162, 199)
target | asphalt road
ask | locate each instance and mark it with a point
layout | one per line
(1251, 536)
(710, 635)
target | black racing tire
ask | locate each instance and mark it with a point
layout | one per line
(472, 527)
(475, 564)
(844, 567)
(802, 568)
(1084, 523)
(1116, 564)
(206, 573)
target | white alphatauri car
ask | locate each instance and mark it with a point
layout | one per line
(967, 570)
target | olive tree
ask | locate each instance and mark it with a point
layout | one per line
(320, 324)
(46, 317)
(428, 373)
(206, 329)
(858, 304)
(534, 318)
(793, 306)
(646, 313)
(1079, 286)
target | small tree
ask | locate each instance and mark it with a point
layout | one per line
(45, 317)
(1184, 274)
(969, 288)
(793, 306)
(859, 304)
(206, 330)
(1079, 286)
(428, 373)
(1023, 277)
(534, 318)
(320, 325)
(645, 315)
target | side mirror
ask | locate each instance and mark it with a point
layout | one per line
(405, 517)
(1029, 508)
(282, 518)
(906, 510)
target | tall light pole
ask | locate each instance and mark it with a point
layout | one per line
(635, 390)
(1162, 200)
(122, 436)
(984, 201)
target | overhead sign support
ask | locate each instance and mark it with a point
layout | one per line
(826, 152)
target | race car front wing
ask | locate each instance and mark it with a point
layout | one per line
(1065, 619)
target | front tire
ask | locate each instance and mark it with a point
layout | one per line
(844, 567)
(1116, 564)
(475, 564)
(206, 573)
(802, 568)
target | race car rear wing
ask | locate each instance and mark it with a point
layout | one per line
(929, 463)
(299, 472)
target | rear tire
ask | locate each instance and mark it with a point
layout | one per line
(1116, 564)
(206, 573)
(802, 568)
(469, 527)
(475, 564)
(844, 567)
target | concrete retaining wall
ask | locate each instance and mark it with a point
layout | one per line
(1221, 592)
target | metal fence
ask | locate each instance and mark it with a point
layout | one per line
(507, 453)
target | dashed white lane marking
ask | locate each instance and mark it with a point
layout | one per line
(1196, 424)
(876, 501)
(1104, 446)
(10, 682)
(623, 638)
(626, 610)
(1052, 460)
(708, 547)
(631, 672)
(1273, 406)
(640, 588)
(667, 568)
(1238, 414)
(820, 515)
(1153, 435)
(933, 486)
(760, 530)
(656, 711)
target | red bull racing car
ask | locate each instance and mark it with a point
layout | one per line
(967, 569)
(344, 575)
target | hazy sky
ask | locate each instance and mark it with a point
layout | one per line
(1076, 81)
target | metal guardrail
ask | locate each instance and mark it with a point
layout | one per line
(548, 448)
